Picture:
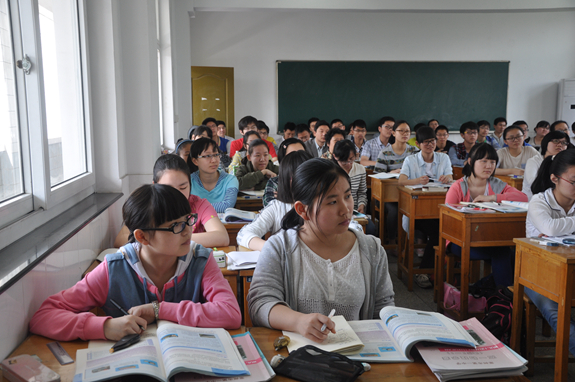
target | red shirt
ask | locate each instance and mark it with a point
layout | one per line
(239, 143)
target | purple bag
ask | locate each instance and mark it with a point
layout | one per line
(451, 300)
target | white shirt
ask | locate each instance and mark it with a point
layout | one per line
(506, 160)
(531, 169)
(546, 216)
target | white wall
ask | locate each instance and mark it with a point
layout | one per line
(539, 46)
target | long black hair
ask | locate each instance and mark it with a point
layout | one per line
(478, 152)
(169, 162)
(151, 205)
(287, 170)
(310, 185)
(198, 147)
(552, 165)
(282, 148)
(342, 150)
(549, 137)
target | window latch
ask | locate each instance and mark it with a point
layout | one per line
(24, 64)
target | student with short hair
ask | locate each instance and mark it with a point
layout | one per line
(359, 131)
(303, 133)
(373, 147)
(161, 274)
(524, 126)
(201, 131)
(249, 123)
(288, 146)
(391, 158)
(458, 154)
(331, 138)
(208, 231)
(318, 145)
(289, 132)
(337, 124)
(512, 159)
(264, 131)
(256, 167)
(241, 154)
(499, 124)
(443, 143)
(222, 142)
(311, 124)
(552, 213)
(483, 132)
(315, 263)
(560, 126)
(479, 185)
(222, 132)
(541, 129)
(552, 144)
(412, 141)
(433, 123)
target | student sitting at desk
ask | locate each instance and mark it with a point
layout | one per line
(483, 134)
(552, 144)
(331, 138)
(270, 218)
(443, 143)
(183, 149)
(256, 167)
(391, 158)
(315, 263)
(421, 168)
(541, 129)
(159, 275)
(303, 133)
(552, 213)
(216, 186)
(288, 146)
(458, 154)
(479, 185)
(512, 159)
(384, 140)
(208, 231)
(241, 154)
(249, 123)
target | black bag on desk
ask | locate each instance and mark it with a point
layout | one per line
(310, 364)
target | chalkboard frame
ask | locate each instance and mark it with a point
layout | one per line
(372, 89)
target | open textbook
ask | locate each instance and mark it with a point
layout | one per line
(389, 339)
(162, 353)
(233, 215)
(499, 207)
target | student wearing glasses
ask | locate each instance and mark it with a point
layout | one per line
(373, 147)
(208, 182)
(512, 159)
(256, 167)
(391, 158)
(443, 143)
(541, 130)
(458, 154)
(359, 130)
(161, 274)
(552, 144)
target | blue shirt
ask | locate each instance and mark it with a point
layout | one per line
(414, 166)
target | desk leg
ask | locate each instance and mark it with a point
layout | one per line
(563, 327)
(464, 299)
(518, 291)
(440, 266)
(246, 283)
(409, 253)
(400, 245)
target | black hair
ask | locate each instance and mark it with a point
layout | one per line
(335, 121)
(289, 126)
(170, 162)
(400, 122)
(552, 165)
(253, 144)
(542, 124)
(483, 122)
(431, 120)
(469, 125)
(321, 122)
(479, 151)
(191, 131)
(151, 205)
(310, 185)
(261, 125)
(509, 128)
(343, 149)
(301, 128)
(201, 129)
(246, 136)
(221, 123)
(424, 133)
(208, 120)
(520, 122)
(385, 119)
(498, 120)
(312, 119)
(198, 147)
(359, 123)
(441, 127)
(282, 148)
(418, 126)
(550, 136)
(245, 121)
(180, 144)
(287, 171)
(554, 124)
(332, 133)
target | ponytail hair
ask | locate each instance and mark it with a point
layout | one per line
(557, 166)
(478, 152)
(287, 171)
(169, 162)
(549, 137)
(310, 185)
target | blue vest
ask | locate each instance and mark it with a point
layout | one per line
(127, 290)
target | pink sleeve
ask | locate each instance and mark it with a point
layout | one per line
(205, 212)
(221, 309)
(511, 193)
(454, 194)
(65, 316)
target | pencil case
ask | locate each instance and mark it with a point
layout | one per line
(25, 368)
(310, 364)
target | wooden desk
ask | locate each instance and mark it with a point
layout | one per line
(549, 271)
(457, 172)
(362, 222)
(368, 172)
(229, 275)
(383, 191)
(473, 230)
(246, 282)
(407, 371)
(512, 181)
(415, 204)
(233, 229)
(250, 203)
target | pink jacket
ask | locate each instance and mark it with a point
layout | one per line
(455, 193)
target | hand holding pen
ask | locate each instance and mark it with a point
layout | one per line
(117, 328)
(310, 326)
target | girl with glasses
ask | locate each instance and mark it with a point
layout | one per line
(391, 158)
(257, 167)
(552, 144)
(552, 213)
(208, 181)
(159, 275)
(512, 159)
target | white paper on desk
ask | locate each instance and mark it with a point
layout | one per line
(253, 193)
(384, 175)
(559, 239)
(244, 257)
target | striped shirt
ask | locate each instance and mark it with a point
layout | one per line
(388, 160)
(372, 148)
(357, 177)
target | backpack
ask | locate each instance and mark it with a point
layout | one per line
(499, 313)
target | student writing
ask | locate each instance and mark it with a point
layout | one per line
(315, 263)
(256, 167)
(158, 274)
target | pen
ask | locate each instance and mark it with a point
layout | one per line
(330, 316)
(122, 310)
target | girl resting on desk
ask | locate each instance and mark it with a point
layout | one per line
(552, 213)
(256, 167)
(315, 263)
(208, 182)
(479, 185)
(208, 230)
(157, 275)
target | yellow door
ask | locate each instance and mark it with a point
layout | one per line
(213, 95)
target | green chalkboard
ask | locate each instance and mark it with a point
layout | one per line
(451, 92)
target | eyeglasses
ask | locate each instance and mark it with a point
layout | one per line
(515, 138)
(388, 127)
(177, 227)
(442, 135)
(471, 132)
(348, 162)
(571, 183)
(209, 157)
(560, 142)
(542, 127)
(403, 131)
(428, 142)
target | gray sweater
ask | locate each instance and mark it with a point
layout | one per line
(277, 276)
